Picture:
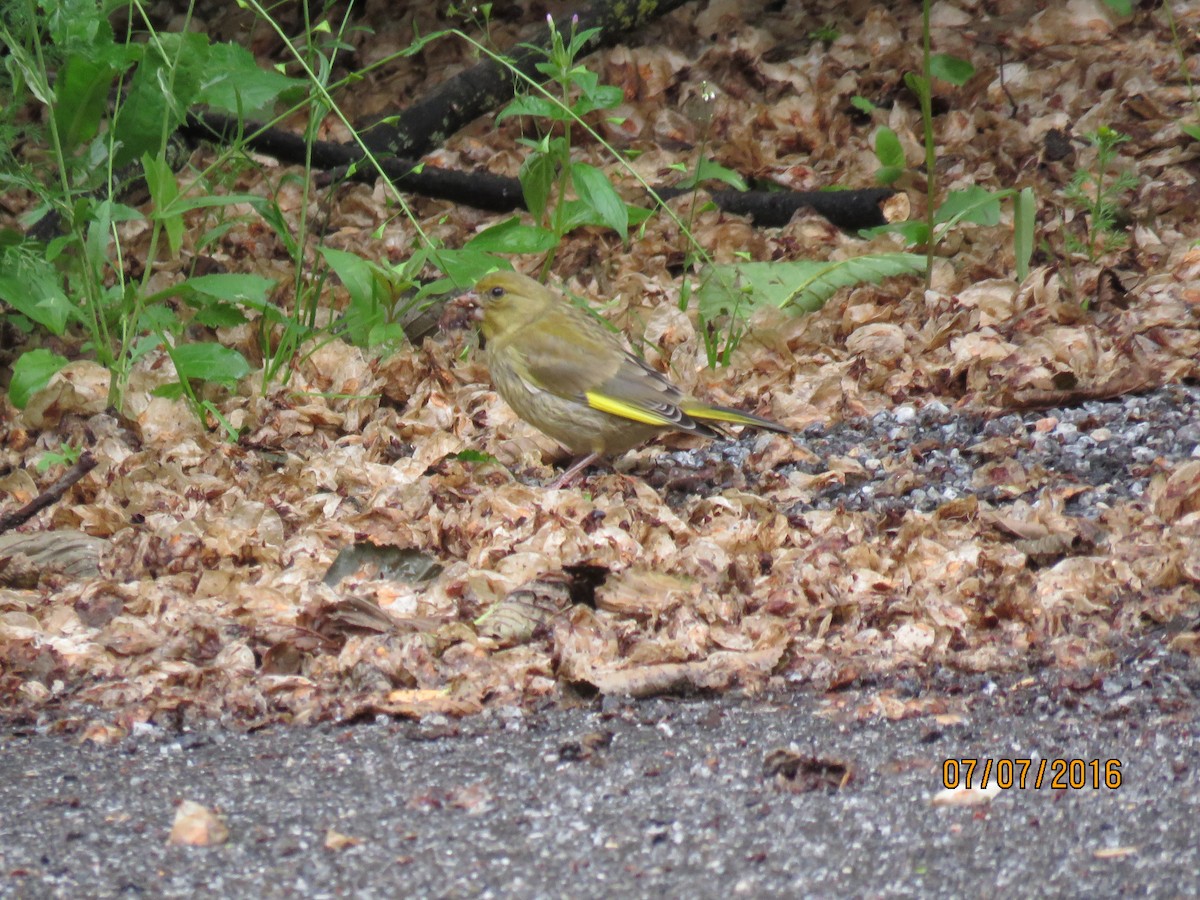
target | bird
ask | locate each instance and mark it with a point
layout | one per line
(567, 375)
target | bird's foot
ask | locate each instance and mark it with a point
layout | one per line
(565, 479)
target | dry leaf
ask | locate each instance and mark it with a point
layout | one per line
(799, 773)
(1114, 852)
(197, 826)
(335, 840)
(965, 796)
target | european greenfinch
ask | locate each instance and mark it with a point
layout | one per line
(563, 372)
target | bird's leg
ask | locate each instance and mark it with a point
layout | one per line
(574, 469)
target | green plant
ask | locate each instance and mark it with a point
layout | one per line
(81, 280)
(1191, 129)
(974, 205)
(826, 34)
(1097, 192)
(948, 68)
(700, 110)
(727, 294)
(550, 166)
(890, 154)
(66, 455)
(549, 173)
(32, 370)
(479, 15)
(803, 285)
(382, 296)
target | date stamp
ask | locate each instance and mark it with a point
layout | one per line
(1057, 774)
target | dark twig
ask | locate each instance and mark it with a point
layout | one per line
(51, 495)
(850, 210)
(462, 99)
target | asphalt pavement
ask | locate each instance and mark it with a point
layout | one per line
(784, 794)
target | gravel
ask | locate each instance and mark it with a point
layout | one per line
(1110, 447)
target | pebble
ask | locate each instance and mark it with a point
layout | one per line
(1133, 433)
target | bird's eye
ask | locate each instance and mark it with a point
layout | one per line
(497, 292)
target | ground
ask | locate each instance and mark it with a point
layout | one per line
(948, 503)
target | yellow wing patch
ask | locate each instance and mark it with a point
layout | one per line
(625, 410)
(736, 417)
(720, 414)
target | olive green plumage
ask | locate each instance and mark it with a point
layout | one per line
(562, 371)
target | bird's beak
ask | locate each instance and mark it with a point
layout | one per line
(475, 304)
(461, 312)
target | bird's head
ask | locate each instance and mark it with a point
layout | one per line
(508, 301)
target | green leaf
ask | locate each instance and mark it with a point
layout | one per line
(595, 190)
(462, 267)
(739, 288)
(162, 89)
(81, 98)
(975, 204)
(604, 96)
(369, 287)
(950, 68)
(584, 80)
(888, 149)
(236, 83)
(1024, 225)
(32, 286)
(160, 180)
(579, 39)
(888, 174)
(637, 214)
(708, 170)
(577, 214)
(31, 373)
(220, 315)
(209, 362)
(355, 273)
(915, 232)
(1120, 7)
(1192, 131)
(171, 391)
(386, 334)
(66, 455)
(475, 456)
(511, 236)
(78, 26)
(250, 290)
(537, 106)
(918, 84)
(99, 231)
(537, 180)
(862, 104)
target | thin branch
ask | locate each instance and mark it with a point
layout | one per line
(51, 495)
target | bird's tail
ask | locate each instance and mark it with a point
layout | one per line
(723, 414)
